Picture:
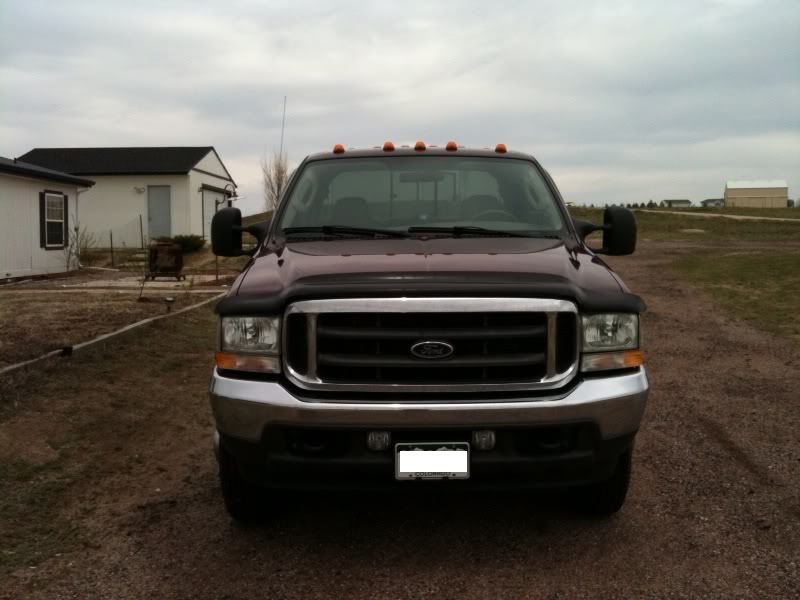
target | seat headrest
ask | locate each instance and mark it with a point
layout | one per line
(350, 210)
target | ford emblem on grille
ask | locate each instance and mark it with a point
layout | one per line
(431, 349)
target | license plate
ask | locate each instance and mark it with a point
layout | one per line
(431, 460)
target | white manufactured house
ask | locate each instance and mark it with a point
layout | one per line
(169, 190)
(38, 208)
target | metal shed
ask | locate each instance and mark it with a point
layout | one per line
(757, 194)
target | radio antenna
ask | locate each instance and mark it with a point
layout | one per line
(283, 127)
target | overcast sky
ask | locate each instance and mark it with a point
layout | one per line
(620, 101)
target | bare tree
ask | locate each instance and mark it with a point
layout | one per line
(77, 248)
(275, 171)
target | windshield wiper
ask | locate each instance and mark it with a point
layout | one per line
(338, 230)
(459, 230)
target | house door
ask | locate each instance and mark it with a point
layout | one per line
(212, 202)
(159, 205)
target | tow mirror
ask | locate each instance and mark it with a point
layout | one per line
(619, 231)
(226, 232)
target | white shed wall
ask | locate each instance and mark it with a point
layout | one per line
(20, 254)
(200, 218)
(114, 204)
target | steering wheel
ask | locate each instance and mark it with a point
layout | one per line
(496, 212)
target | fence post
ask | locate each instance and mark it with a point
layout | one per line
(141, 231)
(111, 241)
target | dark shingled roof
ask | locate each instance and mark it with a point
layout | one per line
(16, 167)
(118, 161)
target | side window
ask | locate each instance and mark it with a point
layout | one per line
(53, 219)
(298, 211)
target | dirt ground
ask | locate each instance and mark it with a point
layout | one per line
(110, 488)
(36, 321)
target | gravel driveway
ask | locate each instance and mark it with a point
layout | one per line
(714, 509)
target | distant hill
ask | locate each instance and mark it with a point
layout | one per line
(257, 218)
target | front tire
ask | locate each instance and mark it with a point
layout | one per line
(243, 500)
(605, 498)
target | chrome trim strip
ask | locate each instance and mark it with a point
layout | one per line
(551, 344)
(425, 305)
(434, 305)
(311, 344)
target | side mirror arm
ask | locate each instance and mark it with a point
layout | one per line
(586, 228)
(260, 231)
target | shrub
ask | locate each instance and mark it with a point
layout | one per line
(189, 243)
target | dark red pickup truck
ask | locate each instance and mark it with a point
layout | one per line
(423, 317)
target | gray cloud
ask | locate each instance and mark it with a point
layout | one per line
(621, 101)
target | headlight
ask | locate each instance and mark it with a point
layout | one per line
(255, 335)
(611, 342)
(615, 331)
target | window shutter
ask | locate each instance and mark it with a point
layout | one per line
(42, 225)
(66, 220)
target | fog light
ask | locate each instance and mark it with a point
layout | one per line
(483, 439)
(378, 440)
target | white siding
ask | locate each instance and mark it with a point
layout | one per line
(20, 253)
(212, 164)
(114, 204)
(198, 215)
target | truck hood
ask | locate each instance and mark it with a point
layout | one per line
(523, 267)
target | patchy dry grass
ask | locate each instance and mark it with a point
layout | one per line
(73, 429)
(35, 322)
(203, 261)
(665, 226)
(757, 282)
(780, 213)
(30, 527)
(762, 287)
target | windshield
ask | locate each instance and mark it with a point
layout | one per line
(436, 192)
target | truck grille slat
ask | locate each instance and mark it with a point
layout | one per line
(374, 344)
(408, 334)
(366, 360)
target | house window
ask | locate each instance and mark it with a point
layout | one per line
(54, 220)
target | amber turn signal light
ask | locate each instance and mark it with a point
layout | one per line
(608, 361)
(247, 362)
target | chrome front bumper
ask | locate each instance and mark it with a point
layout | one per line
(243, 408)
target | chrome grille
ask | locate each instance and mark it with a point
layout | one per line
(365, 344)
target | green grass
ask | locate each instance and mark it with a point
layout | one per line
(665, 226)
(760, 287)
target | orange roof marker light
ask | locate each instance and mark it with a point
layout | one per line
(338, 149)
(419, 146)
(451, 146)
(500, 148)
(388, 146)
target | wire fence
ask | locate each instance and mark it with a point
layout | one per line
(116, 246)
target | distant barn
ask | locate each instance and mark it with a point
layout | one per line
(757, 194)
